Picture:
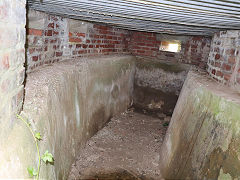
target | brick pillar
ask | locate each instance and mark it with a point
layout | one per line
(12, 58)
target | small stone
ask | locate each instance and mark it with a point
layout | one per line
(161, 115)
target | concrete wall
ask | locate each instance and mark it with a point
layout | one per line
(157, 84)
(12, 58)
(202, 141)
(223, 62)
(67, 103)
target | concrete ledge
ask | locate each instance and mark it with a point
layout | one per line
(203, 138)
(67, 103)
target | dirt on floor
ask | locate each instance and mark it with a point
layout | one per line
(127, 148)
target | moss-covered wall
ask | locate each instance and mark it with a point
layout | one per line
(67, 103)
(202, 141)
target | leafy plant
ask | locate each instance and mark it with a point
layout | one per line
(165, 124)
(32, 172)
(46, 157)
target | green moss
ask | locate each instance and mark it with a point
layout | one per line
(223, 176)
(224, 111)
(225, 117)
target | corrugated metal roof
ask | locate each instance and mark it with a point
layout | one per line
(188, 17)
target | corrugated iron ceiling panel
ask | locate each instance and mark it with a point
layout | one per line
(188, 17)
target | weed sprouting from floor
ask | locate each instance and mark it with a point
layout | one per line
(46, 157)
(165, 124)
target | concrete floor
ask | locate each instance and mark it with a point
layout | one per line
(126, 148)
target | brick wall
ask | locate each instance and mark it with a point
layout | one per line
(52, 38)
(98, 40)
(12, 58)
(143, 44)
(223, 62)
(194, 49)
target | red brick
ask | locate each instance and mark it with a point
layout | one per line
(227, 77)
(109, 37)
(226, 67)
(217, 56)
(52, 41)
(140, 51)
(48, 33)
(141, 44)
(84, 46)
(81, 34)
(55, 32)
(35, 32)
(219, 73)
(38, 49)
(103, 32)
(197, 38)
(59, 54)
(35, 58)
(145, 48)
(75, 40)
(103, 27)
(96, 36)
(51, 25)
(102, 36)
(81, 52)
(78, 45)
(213, 71)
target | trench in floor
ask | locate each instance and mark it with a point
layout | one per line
(126, 148)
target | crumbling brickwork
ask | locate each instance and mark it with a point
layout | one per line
(223, 62)
(12, 58)
(61, 38)
(196, 50)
